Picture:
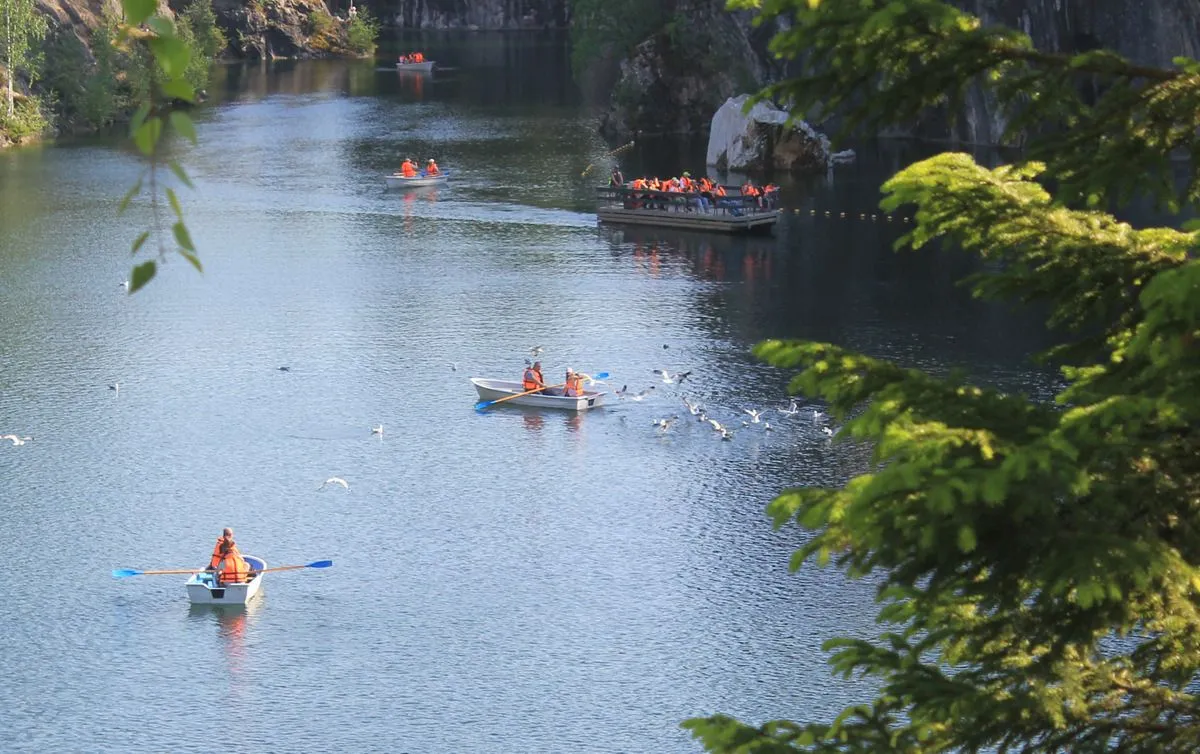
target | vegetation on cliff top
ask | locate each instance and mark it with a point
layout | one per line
(1038, 566)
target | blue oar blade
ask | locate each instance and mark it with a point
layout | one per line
(124, 573)
(601, 376)
(320, 564)
(482, 405)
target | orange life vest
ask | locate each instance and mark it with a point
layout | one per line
(408, 170)
(639, 183)
(720, 190)
(418, 58)
(574, 386)
(432, 168)
(531, 379)
(234, 568)
(215, 560)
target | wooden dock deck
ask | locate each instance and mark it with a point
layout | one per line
(729, 214)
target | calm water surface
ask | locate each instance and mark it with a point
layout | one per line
(513, 581)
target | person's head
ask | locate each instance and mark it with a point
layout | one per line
(227, 533)
(570, 371)
(430, 160)
(537, 365)
(686, 174)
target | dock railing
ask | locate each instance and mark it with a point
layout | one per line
(733, 205)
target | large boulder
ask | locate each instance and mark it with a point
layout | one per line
(761, 139)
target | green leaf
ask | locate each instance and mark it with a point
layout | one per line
(195, 260)
(178, 88)
(966, 539)
(132, 192)
(147, 135)
(137, 11)
(179, 172)
(139, 117)
(182, 237)
(171, 54)
(161, 26)
(174, 200)
(183, 125)
(141, 275)
(139, 241)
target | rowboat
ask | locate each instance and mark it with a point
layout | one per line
(490, 390)
(422, 67)
(397, 181)
(203, 591)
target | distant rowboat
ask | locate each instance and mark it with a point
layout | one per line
(423, 67)
(491, 390)
(395, 180)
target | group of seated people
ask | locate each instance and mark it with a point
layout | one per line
(408, 168)
(572, 386)
(415, 57)
(702, 193)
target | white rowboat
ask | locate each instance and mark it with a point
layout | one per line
(423, 67)
(202, 591)
(397, 181)
(490, 390)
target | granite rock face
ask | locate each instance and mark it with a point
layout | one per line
(761, 139)
(476, 14)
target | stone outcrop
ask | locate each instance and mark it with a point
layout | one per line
(676, 79)
(476, 14)
(761, 139)
(267, 29)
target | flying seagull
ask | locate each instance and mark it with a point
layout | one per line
(16, 440)
(665, 424)
(695, 409)
(536, 351)
(334, 480)
(377, 430)
(754, 414)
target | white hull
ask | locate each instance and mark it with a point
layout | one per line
(490, 390)
(201, 591)
(398, 181)
(424, 67)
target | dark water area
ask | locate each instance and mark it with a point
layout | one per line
(513, 580)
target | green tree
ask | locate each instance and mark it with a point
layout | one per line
(23, 29)
(601, 27)
(1038, 565)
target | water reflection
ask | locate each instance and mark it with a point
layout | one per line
(412, 83)
(233, 623)
(709, 257)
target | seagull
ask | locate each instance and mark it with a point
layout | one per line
(817, 416)
(641, 395)
(716, 425)
(665, 346)
(454, 366)
(377, 430)
(791, 410)
(16, 440)
(115, 386)
(666, 376)
(702, 416)
(681, 376)
(536, 351)
(695, 409)
(124, 284)
(828, 432)
(285, 369)
(726, 434)
(665, 424)
(334, 480)
(622, 392)
(754, 414)
(767, 426)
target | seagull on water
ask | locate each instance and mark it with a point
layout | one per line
(726, 434)
(665, 424)
(377, 430)
(642, 395)
(285, 369)
(716, 425)
(695, 409)
(671, 379)
(334, 480)
(791, 410)
(754, 414)
(16, 440)
(767, 426)
(817, 416)
(454, 366)
(124, 284)
(828, 432)
(115, 386)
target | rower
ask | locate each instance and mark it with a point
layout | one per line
(532, 380)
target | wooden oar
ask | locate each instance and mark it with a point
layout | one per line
(315, 564)
(484, 404)
(124, 573)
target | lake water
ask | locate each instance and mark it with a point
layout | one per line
(509, 581)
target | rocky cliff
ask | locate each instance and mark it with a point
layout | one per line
(476, 14)
(675, 80)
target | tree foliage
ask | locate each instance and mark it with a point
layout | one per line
(601, 27)
(1038, 565)
(21, 29)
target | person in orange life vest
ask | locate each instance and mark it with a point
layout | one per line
(770, 195)
(233, 568)
(532, 379)
(431, 168)
(418, 57)
(749, 189)
(226, 536)
(408, 169)
(574, 384)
